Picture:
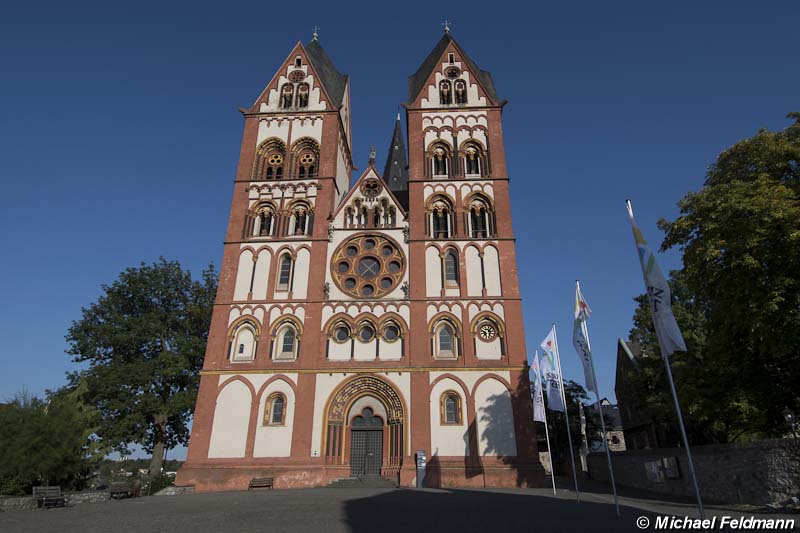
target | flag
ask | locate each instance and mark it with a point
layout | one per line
(667, 331)
(580, 337)
(552, 372)
(538, 401)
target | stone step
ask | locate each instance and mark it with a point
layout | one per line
(362, 482)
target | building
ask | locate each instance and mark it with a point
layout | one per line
(614, 428)
(356, 325)
(640, 428)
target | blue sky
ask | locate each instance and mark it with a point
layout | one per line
(119, 136)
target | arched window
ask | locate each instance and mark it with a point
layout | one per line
(474, 160)
(460, 92)
(302, 95)
(275, 410)
(445, 340)
(366, 332)
(285, 273)
(243, 342)
(287, 95)
(269, 159)
(451, 270)
(286, 342)
(441, 219)
(306, 151)
(264, 224)
(480, 219)
(302, 220)
(439, 161)
(450, 408)
(445, 93)
(391, 332)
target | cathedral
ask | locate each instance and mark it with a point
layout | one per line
(356, 325)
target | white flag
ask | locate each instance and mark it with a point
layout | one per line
(667, 331)
(538, 401)
(580, 337)
(551, 372)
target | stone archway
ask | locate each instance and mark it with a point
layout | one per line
(337, 434)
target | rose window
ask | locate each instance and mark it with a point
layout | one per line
(275, 159)
(368, 266)
(306, 159)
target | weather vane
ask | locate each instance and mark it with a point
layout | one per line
(446, 25)
(315, 34)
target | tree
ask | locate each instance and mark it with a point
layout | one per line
(740, 238)
(50, 441)
(575, 394)
(143, 341)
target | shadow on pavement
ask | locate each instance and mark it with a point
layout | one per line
(473, 510)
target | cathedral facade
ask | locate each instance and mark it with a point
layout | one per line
(356, 325)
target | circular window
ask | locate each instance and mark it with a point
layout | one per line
(306, 159)
(391, 333)
(366, 334)
(452, 72)
(297, 76)
(341, 334)
(487, 332)
(275, 159)
(368, 266)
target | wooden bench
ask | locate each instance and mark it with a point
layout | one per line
(120, 490)
(261, 483)
(49, 497)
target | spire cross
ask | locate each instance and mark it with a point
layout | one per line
(446, 25)
(315, 34)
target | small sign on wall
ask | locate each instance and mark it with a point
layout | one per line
(655, 473)
(671, 468)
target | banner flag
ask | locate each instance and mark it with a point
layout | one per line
(538, 401)
(667, 331)
(580, 338)
(551, 372)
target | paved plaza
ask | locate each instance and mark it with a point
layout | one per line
(357, 510)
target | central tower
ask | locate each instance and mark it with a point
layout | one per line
(356, 325)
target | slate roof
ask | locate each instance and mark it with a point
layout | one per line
(333, 80)
(417, 80)
(395, 174)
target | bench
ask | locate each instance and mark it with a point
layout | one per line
(120, 490)
(261, 483)
(49, 497)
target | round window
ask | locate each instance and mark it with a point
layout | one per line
(366, 334)
(368, 266)
(341, 334)
(391, 333)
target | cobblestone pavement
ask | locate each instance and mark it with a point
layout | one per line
(355, 510)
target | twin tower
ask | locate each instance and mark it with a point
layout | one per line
(356, 325)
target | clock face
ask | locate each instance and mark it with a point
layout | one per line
(487, 332)
(367, 266)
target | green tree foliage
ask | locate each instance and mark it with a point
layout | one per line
(738, 295)
(143, 341)
(48, 441)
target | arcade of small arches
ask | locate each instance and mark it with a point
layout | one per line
(264, 219)
(272, 162)
(360, 214)
(477, 218)
(469, 161)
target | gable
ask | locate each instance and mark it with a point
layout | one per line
(368, 194)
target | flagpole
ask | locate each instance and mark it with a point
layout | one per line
(546, 431)
(674, 396)
(566, 416)
(599, 408)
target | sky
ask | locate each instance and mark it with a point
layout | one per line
(119, 136)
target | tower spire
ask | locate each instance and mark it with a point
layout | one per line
(446, 25)
(315, 33)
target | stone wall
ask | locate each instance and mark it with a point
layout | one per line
(759, 472)
(26, 503)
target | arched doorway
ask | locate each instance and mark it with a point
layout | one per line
(366, 444)
(365, 415)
